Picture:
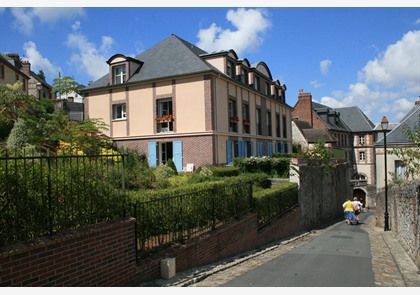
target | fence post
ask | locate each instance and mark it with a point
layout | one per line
(215, 191)
(181, 219)
(50, 213)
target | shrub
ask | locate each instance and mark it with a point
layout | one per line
(19, 136)
(206, 172)
(162, 174)
(226, 171)
(170, 163)
(278, 167)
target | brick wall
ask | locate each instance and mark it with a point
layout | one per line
(196, 149)
(97, 255)
(227, 241)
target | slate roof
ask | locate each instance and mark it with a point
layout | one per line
(355, 119)
(313, 135)
(323, 112)
(171, 57)
(396, 135)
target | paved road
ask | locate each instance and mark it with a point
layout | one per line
(324, 257)
(340, 257)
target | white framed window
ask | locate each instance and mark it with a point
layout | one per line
(164, 116)
(119, 73)
(119, 111)
(361, 139)
(399, 169)
(362, 156)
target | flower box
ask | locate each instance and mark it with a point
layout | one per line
(165, 118)
(234, 119)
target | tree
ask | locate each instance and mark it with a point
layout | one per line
(42, 126)
(410, 155)
(64, 85)
(19, 136)
(13, 103)
(41, 74)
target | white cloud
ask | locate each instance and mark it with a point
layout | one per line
(89, 59)
(332, 102)
(417, 21)
(387, 85)
(316, 84)
(25, 17)
(251, 24)
(23, 20)
(398, 66)
(38, 62)
(324, 66)
(76, 26)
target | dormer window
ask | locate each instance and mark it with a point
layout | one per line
(122, 68)
(231, 69)
(119, 73)
(257, 85)
(267, 88)
(244, 76)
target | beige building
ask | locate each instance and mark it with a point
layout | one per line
(177, 101)
(396, 138)
(14, 69)
(11, 72)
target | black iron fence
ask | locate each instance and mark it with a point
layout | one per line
(276, 203)
(174, 219)
(45, 193)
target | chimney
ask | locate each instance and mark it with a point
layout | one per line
(303, 108)
(26, 68)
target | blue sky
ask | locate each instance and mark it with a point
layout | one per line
(345, 56)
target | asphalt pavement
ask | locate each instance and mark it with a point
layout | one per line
(333, 256)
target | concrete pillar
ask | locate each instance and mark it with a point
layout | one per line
(167, 268)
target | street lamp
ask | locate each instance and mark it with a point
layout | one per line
(39, 87)
(384, 126)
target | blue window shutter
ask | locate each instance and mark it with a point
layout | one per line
(241, 149)
(276, 148)
(269, 149)
(152, 154)
(177, 145)
(252, 150)
(259, 148)
(282, 148)
(229, 152)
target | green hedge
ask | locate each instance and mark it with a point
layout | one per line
(273, 202)
(275, 167)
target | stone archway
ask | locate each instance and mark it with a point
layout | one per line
(360, 195)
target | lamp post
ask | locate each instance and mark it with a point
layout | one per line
(384, 126)
(39, 87)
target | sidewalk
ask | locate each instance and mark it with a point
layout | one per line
(391, 265)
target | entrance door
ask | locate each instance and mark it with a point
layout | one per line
(360, 195)
(166, 152)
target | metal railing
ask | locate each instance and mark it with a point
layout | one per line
(174, 219)
(276, 204)
(43, 194)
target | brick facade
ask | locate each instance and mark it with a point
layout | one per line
(98, 255)
(196, 149)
